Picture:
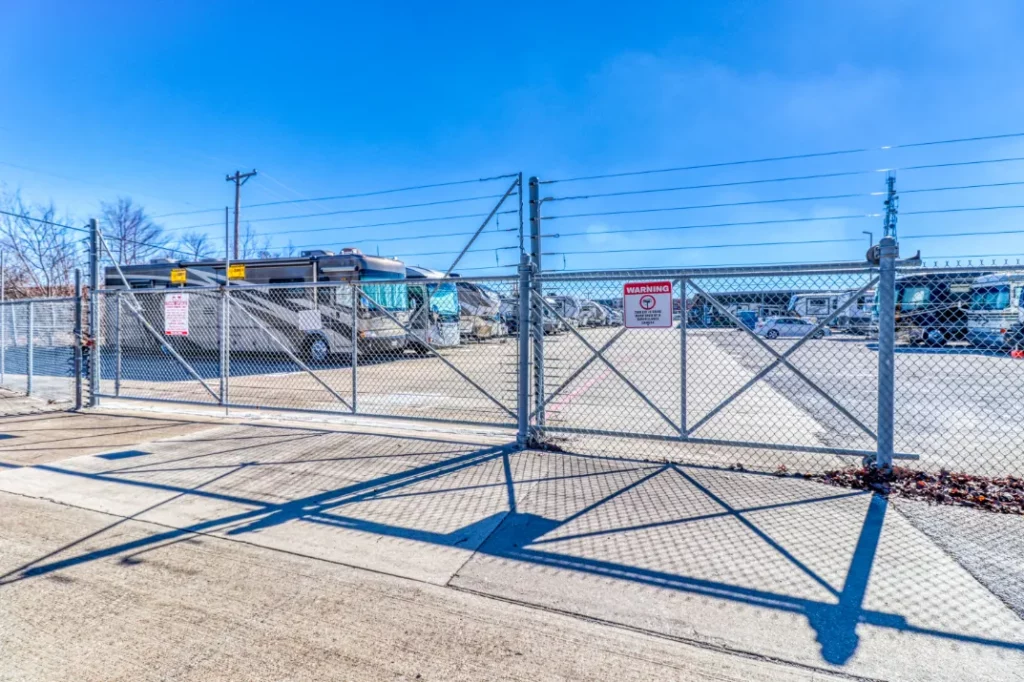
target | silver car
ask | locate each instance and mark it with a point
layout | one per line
(775, 327)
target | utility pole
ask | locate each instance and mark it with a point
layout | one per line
(239, 178)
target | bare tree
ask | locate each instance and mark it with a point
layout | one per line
(130, 234)
(254, 245)
(196, 245)
(40, 251)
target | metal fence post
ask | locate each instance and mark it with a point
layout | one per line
(31, 347)
(355, 348)
(117, 344)
(94, 312)
(78, 339)
(523, 331)
(537, 301)
(224, 344)
(886, 350)
(683, 433)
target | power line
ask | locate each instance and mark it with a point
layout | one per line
(961, 210)
(721, 205)
(347, 211)
(790, 178)
(85, 229)
(89, 182)
(791, 157)
(356, 195)
(388, 224)
(745, 223)
(705, 246)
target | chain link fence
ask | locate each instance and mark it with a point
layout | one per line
(37, 348)
(779, 371)
(959, 370)
(415, 349)
(766, 369)
(758, 369)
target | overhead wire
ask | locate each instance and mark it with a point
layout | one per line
(344, 211)
(86, 230)
(355, 195)
(790, 178)
(385, 224)
(790, 157)
(730, 204)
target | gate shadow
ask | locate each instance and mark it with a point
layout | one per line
(548, 501)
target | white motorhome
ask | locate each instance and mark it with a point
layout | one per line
(857, 316)
(994, 316)
(304, 305)
(815, 307)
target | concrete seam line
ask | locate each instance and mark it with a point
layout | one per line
(741, 653)
(213, 536)
(599, 621)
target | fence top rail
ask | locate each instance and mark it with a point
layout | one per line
(708, 273)
(965, 269)
(110, 291)
(23, 301)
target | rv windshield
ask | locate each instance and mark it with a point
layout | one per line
(393, 297)
(444, 299)
(914, 297)
(990, 298)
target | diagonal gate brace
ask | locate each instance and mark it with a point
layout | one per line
(435, 352)
(294, 358)
(783, 359)
(612, 367)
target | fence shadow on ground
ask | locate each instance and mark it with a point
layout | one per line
(789, 546)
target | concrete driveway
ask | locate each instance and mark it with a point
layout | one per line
(274, 551)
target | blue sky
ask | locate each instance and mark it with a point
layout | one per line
(159, 100)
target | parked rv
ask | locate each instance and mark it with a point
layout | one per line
(289, 298)
(994, 316)
(592, 314)
(931, 308)
(478, 311)
(815, 307)
(569, 307)
(436, 322)
(856, 318)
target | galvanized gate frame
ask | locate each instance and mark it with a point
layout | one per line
(600, 354)
(284, 348)
(433, 350)
(782, 359)
(132, 308)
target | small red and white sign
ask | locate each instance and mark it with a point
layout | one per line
(647, 305)
(176, 314)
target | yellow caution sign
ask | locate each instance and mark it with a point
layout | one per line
(236, 271)
(178, 276)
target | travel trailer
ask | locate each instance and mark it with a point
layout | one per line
(815, 307)
(307, 303)
(994, 316)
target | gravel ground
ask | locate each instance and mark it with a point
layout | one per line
(990, 546)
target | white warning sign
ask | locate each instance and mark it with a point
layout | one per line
(647, 305)
(176, 314)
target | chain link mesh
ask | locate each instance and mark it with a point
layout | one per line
(781, 371)
(37, 338)
(410, 349)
